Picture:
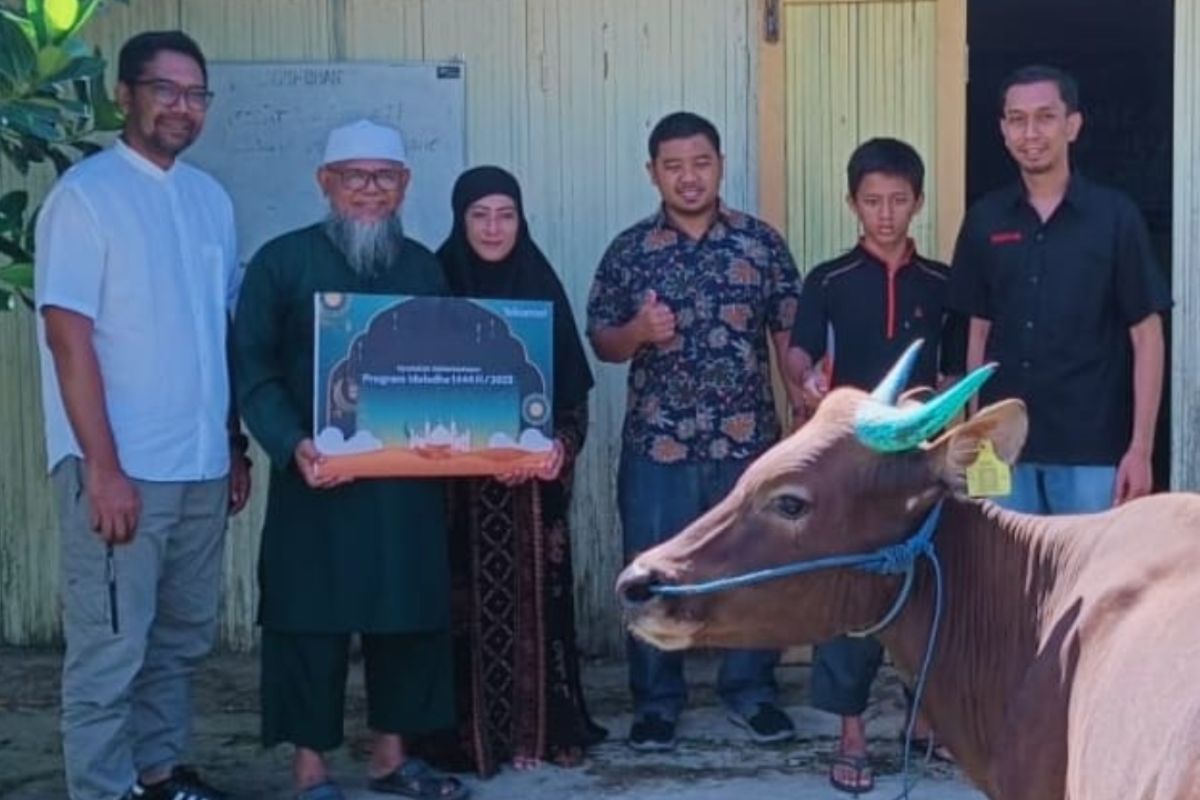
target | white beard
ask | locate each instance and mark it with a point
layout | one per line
(369, 247)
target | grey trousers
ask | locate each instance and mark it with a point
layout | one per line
(126, 681)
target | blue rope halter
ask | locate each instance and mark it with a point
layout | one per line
(891, 560)
(894, 559)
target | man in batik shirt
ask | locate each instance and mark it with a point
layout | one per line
(690, 295)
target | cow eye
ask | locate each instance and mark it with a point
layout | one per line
(789, 506)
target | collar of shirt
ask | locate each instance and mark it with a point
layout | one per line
(907, 257)
(141, 163)
(717, 230)
(1076, 196)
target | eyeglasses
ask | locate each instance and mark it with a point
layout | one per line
(387, 180)
(167, 93)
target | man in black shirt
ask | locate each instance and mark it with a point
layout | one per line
(1058, 278)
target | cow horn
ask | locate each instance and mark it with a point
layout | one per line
(887, 429)
(897, 378)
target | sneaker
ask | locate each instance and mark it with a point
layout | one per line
(768, 725)
(652, 733)
(184, 783)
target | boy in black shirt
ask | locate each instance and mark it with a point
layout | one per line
(859, 312)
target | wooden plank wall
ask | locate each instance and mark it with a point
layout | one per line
(563, 92)
(1185, 408)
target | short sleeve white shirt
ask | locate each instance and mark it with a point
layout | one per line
(149, 255)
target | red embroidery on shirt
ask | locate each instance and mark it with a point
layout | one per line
(1006, 237)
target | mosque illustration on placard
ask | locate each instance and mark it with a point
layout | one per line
(432, 386)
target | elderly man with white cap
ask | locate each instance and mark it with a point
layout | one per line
(340, 557)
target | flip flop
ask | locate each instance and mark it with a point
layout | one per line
(415, 778)
(864, 777)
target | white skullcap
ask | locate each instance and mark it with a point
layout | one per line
(364, 140)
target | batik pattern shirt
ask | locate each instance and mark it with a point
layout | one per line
(706, 394)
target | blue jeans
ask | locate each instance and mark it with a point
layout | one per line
(656, 501)
(1060, 489)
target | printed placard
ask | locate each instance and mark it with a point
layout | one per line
(432, 386)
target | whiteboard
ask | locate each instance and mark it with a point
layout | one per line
(265, 133)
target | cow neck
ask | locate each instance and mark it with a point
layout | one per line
(1001, 575)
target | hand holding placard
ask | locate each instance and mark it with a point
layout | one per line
(308, 460)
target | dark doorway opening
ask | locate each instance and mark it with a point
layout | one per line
(1122, 53)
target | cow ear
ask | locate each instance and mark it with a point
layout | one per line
(917, 394)
(1005, 424)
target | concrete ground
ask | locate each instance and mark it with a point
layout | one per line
(714, 761)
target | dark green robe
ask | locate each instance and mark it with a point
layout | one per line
(368, 556)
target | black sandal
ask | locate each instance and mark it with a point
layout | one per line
(415, 778)
(864, 777)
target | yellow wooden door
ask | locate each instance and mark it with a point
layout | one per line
(834, 73)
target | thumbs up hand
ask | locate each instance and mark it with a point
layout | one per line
(655, 321)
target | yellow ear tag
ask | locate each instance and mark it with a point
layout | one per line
(989, 476)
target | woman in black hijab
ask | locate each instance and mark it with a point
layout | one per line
(518, 687)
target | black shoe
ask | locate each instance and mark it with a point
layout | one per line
(184, 783)
(593, 733)
(652, 733)
(767, 725)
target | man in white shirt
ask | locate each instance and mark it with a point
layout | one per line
(136, 274)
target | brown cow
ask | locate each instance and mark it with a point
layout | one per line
(1068, 657)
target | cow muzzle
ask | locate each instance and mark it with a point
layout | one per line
(650, 616)
(635, 586)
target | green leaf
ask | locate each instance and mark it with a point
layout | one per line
(33, 119)
(84, 13)
(12, 223)
(37, 15)
(30, 232)
(106, 114)
(61, 106)
(17, 276)
(62, 161)
(76, 47)
(17, 56)
(35, 147)
(8, 300)
(25, 24)
(13, 205)
(78, 69)
(60, 16)
(52, 60)
(16, 282)
(12, 249)
(15, 153)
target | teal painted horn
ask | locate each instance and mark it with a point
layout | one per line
(888, 390)
(887, 429)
